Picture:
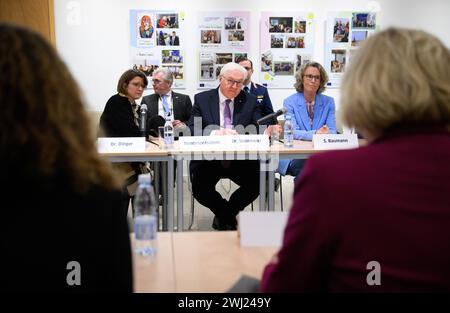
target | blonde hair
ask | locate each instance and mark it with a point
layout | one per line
(398, 77)
(44, 128)
(301, 73)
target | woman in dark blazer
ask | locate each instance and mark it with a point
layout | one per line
(62, 230)
(120, 118)
(377, 218)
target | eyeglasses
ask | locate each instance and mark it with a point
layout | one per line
(137, 85)
(232, 82)
(157, 81)
(311, 77)
(248, 68)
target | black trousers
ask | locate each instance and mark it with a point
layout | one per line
(206, 174)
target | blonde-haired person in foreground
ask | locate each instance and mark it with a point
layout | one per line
(377, 218)
(63, 227)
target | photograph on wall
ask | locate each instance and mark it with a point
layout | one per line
(300, 27)
(283, 68)
(345, 31)
(364, 20)
(280, 24)
(341, 29)
(295, 42)
(171, 56)
(358, 36)
(207, 62)
(236, 35)
(167, 38)
(238, 57)
(167, 20)
(145, 29)
(223, 37)
(176, 70)
(276, 41)
(302, 59)
(210, 37)
(211, 63)
(147, 65)
(285, 39)
(156, 39)
(338, 61)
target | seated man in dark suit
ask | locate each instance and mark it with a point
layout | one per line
(221, 110)
(165, 103)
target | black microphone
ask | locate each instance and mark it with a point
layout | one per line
(143, 121)
(271, 116)
(154, 123)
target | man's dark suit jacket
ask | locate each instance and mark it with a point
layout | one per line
(176, 41)
(206, 105)
(386, 202)
(182, 106)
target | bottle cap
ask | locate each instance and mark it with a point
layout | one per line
(144, 178)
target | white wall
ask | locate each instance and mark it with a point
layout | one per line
(93, 35)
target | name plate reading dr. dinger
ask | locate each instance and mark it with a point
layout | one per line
(224, 143)
(335, 141)
(120, 144)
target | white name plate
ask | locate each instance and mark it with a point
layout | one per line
(120, 144)
(224, 143)
(262, 229)
(335, 141)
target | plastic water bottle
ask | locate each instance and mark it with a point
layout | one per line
(145, 217)
(168, 132)
(288, 132)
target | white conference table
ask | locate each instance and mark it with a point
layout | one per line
(198, 262)
(152, 153)
(300, 150)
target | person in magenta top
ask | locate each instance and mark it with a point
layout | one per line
(377, 218)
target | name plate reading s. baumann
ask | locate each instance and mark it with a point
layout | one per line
(121, 144)
(335, 141)
(224, 143)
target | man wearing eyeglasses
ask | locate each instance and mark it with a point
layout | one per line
(166, 103)
(311, 111)
(225, 111)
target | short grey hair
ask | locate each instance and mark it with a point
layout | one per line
(168, 76)
(231, 66)
(398, 77)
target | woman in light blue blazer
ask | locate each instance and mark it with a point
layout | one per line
(311, 111)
